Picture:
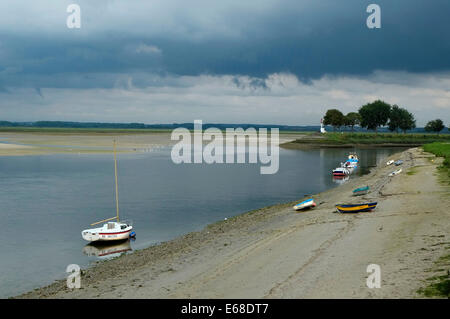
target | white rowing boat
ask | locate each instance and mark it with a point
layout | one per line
(395, 172)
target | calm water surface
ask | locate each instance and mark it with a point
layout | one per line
(45, 202)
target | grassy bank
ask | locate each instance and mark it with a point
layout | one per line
(439, 284)
(440, 149)
(350, 139)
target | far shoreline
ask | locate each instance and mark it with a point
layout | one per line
(305, 146)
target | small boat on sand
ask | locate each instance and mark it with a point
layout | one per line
(356, 208)
(390, 162)
(396, 172)
(305, 204)
(399, 162)
(361, 191)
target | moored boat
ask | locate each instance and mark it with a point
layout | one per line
(112, 230)
(305, 204)
(390, 162)
(341, 171)
(361, 191)
(352, 160)
(356, 208)
(348, 166)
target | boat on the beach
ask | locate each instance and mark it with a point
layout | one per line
(112, 230)
(361, 191)
(396, 172)
(305, 204)
(390, 162)
(356, 208)
(399, 162)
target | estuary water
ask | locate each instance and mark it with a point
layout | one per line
(45, 202)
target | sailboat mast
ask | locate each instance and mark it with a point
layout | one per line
(115, 173)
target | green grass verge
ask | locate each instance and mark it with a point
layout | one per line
(372, 138)
(439, 285)
(439, 149)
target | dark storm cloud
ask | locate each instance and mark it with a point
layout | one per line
(306, 38)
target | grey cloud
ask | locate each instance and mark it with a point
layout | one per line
(166, 51)
(306, 38)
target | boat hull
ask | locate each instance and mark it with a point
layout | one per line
(361, 191)
(106, 236)
(305, 204)
(356, 208)
(395, 172)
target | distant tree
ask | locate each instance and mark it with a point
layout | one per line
(395, 118)
(408, 122)
(352, 119)
(375, 114)
(435, 126)
(400, 118)
(334, 118)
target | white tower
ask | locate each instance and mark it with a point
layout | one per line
(322, 128)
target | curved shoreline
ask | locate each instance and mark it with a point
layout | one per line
(310, 145)
(225, 258)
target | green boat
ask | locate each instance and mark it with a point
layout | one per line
(361, 191)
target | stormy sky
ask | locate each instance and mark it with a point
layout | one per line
(261, 61)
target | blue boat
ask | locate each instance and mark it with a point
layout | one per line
(399, 162)
(361, 191)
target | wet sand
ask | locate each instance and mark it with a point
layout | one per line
(275, 252)
(20, 144)
(32, 143)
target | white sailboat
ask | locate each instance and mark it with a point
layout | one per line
(111, 230)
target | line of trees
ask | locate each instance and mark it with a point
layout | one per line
(377, 114)
(337, 119)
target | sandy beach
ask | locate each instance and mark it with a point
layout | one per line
(33, 143)
(21, 144)
(278, 253)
